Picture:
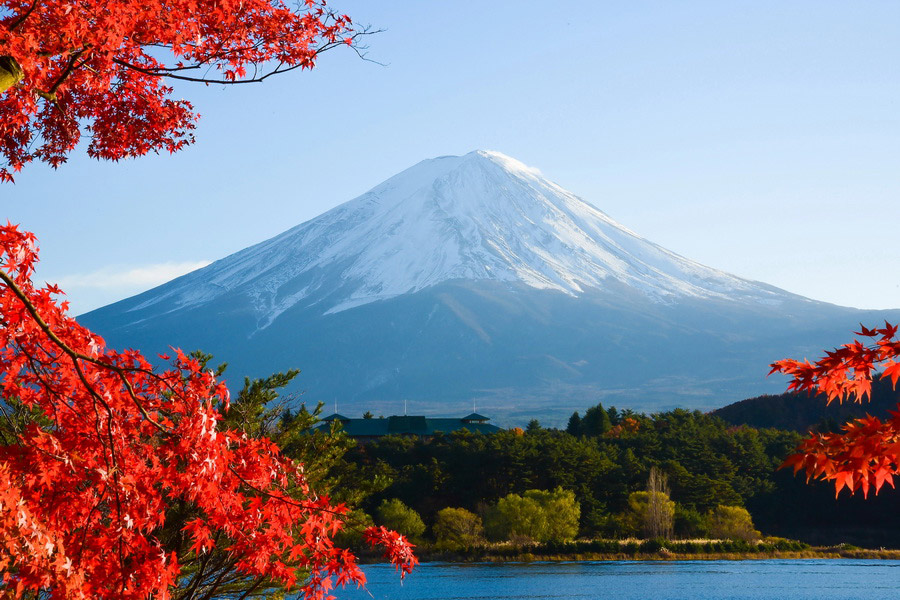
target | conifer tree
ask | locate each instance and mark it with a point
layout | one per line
(574, 426)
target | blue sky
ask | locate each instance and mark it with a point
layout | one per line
(761, 138)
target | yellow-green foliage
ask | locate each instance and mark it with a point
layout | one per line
(537, 515)
(731, 523)
(561, 511)
(649, 514)
(395, 515)
(457, 528)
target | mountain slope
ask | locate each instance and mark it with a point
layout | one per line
(474, 277)
(482, 216)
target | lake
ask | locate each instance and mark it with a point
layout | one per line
(632, 580)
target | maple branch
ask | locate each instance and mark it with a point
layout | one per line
(33, 362)
(286, 499)
(78, 355)
(198, 576)
(68, 70)
(251, 589)
(12, 427)
(24, 16)
(213, 586)
(170, 72)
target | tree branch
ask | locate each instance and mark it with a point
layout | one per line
(24, 16)
(172, 72)
(77, 355)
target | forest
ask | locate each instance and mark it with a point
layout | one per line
(600, 469)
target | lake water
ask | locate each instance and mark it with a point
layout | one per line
(684, 580)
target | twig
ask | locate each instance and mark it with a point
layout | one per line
(24, 16)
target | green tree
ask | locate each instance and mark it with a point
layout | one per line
(537, 515)
(259, 410)
(574, 426)
(395, 515)
(561, 513)
(690, 523)
(596, 421)
(533, 425)
(457, 528)
(515, 517)
(731, 523)
(613, 415)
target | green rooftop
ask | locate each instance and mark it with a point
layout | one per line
(407, 425)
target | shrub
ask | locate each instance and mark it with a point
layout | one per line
(394, 514)
(561, 513)
(457, 528)
(731, 523)
(537, 515)
(653, 546)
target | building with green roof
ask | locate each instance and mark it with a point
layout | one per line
(369, 429)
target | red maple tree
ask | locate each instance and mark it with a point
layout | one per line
(101, 67)
(866, 454)
(115, 446)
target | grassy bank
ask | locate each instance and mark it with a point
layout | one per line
(620, 550)
(810, 553)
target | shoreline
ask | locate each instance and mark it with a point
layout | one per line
(642, 552)
(811, 554)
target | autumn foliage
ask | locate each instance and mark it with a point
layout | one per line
(116, 447)
(102, 67)
(866, 454)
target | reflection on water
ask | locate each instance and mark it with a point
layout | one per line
(685, 580)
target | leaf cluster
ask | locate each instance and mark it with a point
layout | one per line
(865, 454)
(122, 481)
(101, 67)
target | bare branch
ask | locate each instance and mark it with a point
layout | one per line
(210, 61)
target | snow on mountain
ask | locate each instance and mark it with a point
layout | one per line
(474, 277)
(481, 216)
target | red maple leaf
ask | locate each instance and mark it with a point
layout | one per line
(85, 491)
(867, 452)
(102, 68)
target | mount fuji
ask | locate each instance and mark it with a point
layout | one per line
(474, 279)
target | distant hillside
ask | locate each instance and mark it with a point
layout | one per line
(802, 412)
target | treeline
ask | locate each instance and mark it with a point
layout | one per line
(603, 463)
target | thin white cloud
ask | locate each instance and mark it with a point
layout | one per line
(87, 291)
(144, 277)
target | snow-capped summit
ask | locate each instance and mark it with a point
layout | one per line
(481, 216)
(475, 277)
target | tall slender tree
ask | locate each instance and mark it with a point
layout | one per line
(660, 515)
